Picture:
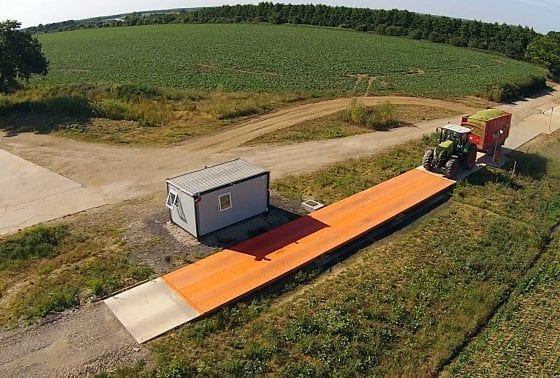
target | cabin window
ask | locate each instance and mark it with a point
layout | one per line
(171, 199)
(225, 201)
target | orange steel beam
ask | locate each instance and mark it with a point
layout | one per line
(230, 274)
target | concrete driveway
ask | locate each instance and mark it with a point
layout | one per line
(30, 194)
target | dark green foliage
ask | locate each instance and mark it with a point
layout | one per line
(20, 56)
(33, 243)
(515, 89)
(545, 50)
(56, 300)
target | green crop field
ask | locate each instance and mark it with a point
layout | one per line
(273, 58)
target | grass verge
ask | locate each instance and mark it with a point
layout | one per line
(129, 114)
(339, 126)
(343, 179)
(52, 267)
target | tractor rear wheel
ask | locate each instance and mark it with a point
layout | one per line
(469, 159)
(428, 160)
(451, 168)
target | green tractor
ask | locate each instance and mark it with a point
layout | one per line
(454, 150)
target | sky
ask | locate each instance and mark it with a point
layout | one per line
(541, 15)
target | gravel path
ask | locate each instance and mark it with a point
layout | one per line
(74, 343)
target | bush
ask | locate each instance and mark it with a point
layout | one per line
(415, 34)
(112, 109)
(145, 105)
(378, 117)
(394, 30)
(514, 90)
(58, 299)
(131, 92)
(67, 105)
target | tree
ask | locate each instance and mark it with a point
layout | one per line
(20, 56)
(545, 50)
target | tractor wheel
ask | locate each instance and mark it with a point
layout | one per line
(469, 160)
(451, 168)
(428, 160)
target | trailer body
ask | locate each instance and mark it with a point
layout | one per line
(490, 128)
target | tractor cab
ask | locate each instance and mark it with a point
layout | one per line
(454, 149)
(453, 136)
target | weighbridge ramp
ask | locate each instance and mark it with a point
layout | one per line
(197, 289)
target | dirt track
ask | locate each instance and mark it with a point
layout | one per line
(120, 172)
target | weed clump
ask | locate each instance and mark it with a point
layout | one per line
(34, 243)
(378, 117)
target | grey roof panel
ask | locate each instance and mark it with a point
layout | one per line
(210, 178)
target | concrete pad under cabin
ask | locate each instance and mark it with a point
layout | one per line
(150, 309)
(31, 194)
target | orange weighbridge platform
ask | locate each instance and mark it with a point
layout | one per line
(155, 307)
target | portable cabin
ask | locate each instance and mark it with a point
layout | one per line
(215, 197)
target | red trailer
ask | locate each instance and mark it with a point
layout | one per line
(490, 128)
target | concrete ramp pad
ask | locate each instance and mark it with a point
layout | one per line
(31, 194)
(150, 309)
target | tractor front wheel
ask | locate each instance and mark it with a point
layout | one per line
(451, 168)
(428, 160)
(469, 160)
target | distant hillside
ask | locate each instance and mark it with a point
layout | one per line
(509, 40)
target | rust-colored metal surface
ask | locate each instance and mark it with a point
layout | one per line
(230, 274)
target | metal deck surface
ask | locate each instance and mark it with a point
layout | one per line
(230, 274)
(206, 285)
